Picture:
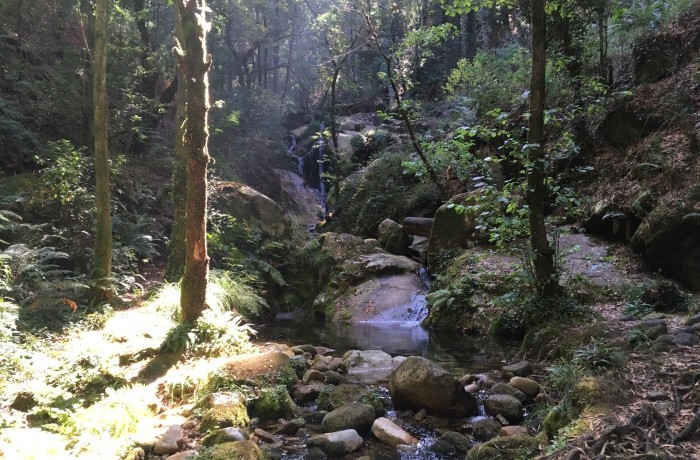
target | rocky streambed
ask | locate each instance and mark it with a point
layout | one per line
(305, 402)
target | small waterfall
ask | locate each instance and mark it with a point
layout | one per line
(292, 144)
(322, 185)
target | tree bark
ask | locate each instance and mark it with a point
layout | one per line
(103, 231)
(194, 63)
(546, 281)
(176, 248)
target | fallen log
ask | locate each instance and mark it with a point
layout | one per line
(419, 226)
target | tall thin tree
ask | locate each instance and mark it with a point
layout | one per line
(194, 63)
(546, 281)
(103, 231)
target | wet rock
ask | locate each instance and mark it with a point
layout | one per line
(169, 442)
(506, 389)
(472, 388)
(224, 409)
(291, 427)
(519, 369)
(358, 416)
(486, 429)
(387, 431)
(339, 442)
(505, 405)
(392, 237)
(332, 397)
(240, 450)
(228, 434)
(513, 430)
(315, 418)
(452, 443)
(327, 363)
(368, 366)
(315, 454)
(419, 383)
(527, 386)
(266, 437)
(420, 415)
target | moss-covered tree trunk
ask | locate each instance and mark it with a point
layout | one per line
(194, 64)
(176, 257)
(546, 281)
(103, 231)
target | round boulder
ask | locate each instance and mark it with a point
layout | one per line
(504, 405)
(358, 416)
(419, 383)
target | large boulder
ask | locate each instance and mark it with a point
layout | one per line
(419, 383)
(369, 366)
(366, 283)
(453, 227)
(251, 207)
(392, 237)
(669, 238)
(240, 450)
(664, 53)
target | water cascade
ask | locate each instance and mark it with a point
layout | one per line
(321, 183)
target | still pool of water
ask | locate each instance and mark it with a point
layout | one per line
(459, 354)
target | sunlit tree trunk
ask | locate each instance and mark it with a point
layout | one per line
(176, 256)
(546, 281)
(103, 231)
(194, 64)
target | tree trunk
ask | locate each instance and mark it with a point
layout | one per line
(103, 231)
(194, 63)
(546, 281)
(176, 258)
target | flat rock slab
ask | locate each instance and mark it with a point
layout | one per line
(584, 256)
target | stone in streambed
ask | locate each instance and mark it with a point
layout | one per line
(387, 431)
(506, 389)
(358, 416)
(527, 386)
(338, 442)
(505, 405)
(419, 383)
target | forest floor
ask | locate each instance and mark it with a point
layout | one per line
(652, 397)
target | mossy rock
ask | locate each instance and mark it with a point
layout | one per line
(271, 404)
(332, 397)
(556, 419)
(240, 450)
(257, 370)
(510, 448)
(223, 435)
(224, 410)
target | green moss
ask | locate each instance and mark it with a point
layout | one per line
(556, 419)
(510, 448)
(240, 450)
(271, 404)
(222, 416)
